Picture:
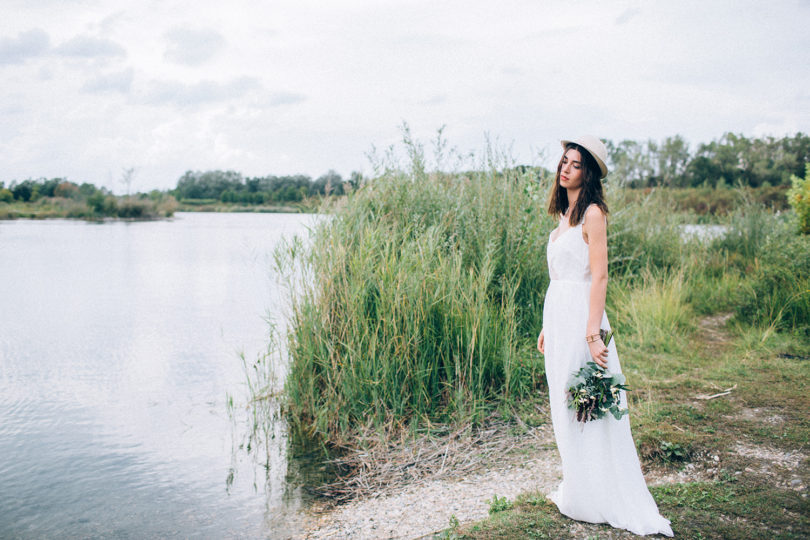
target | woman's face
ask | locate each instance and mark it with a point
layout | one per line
(572, 172)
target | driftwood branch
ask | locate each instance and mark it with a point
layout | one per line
(725, 392)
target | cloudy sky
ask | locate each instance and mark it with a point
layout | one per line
(283, 87)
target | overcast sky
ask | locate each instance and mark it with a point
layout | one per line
(277, 87)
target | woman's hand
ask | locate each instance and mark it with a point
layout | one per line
(541, 341)
(599, 352)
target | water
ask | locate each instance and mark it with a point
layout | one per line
(703, 232)
(119, 346)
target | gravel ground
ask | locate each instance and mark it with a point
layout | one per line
(423, 508)
(426, 507)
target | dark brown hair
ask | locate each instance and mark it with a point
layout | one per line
(591, 192)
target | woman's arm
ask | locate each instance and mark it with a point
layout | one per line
(594, 229)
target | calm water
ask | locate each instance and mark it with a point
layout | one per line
(119, 344)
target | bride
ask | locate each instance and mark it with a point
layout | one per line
(602, 479)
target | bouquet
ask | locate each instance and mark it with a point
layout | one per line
(594, 391)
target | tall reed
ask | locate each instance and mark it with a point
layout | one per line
(417, 299)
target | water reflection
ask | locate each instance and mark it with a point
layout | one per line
(119, 347)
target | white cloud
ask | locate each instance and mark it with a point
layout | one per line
(627, 15)
(192, 47)
(120, 81)
(207, 91)
(29, 44)
(284, 98)
(90, 47)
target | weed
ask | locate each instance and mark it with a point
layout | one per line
(499, 504)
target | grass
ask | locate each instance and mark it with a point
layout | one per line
(415, 304)
(759, 432)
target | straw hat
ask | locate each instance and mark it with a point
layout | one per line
(595, 147)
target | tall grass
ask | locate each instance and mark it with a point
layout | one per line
(652, 313)
(417, 301)
(420, 299)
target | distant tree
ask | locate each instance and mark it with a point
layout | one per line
(22, 191)
(127, 178)
(96, 202)
(207, 185)
(630, 163)
(702, 171)
(87, 189)
(673, 158)
(68, 190)
(48, 187)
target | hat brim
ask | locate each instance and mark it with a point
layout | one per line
(602, 166)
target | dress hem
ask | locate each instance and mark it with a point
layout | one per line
(663, 527)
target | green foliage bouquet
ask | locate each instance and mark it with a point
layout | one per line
(594, 391)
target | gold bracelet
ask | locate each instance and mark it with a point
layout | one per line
(592, 338)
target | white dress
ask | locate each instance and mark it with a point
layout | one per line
(602, 480)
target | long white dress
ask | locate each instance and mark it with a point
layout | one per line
(602, 479)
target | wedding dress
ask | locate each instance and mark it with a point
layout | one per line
(602, 479)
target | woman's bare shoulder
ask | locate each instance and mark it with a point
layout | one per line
(594, 214)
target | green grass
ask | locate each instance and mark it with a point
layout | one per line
(746, 496)
(417, 301)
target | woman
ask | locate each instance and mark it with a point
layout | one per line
(602, 480)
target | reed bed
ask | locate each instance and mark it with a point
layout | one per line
(419, 301)
(416, 301)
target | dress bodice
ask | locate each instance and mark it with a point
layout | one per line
(568, 255)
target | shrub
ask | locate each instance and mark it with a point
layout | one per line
(799, 197)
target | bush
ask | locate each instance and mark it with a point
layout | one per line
(799, 197)
(130, 207)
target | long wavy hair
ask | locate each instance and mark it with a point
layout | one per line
(591, 193)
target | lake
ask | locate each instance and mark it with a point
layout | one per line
(120, 348)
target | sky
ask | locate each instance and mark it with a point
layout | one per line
(91, 88)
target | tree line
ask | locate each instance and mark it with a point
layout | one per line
(731, 160)
(232, 187)
(69, 199)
